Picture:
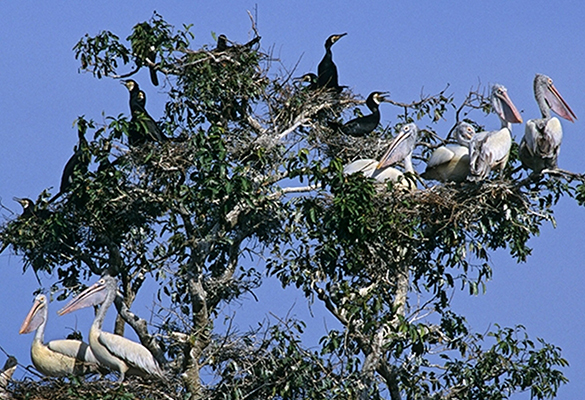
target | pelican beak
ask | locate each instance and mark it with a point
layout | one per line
(393, 155)
(95, 294)
(33, 318)
(558, 104)
(469, 132)
(509, 112)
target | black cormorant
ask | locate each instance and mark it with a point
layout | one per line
(143, 128)
(223, 43)
(309, 78)
(29, 209)
(361, 126)
(79, 161)
(327, 71)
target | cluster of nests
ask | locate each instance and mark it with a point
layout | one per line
(59, 389)
(85, 364)
(472, 158)
(475, 154)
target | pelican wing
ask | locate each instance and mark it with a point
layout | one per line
(131, 352)
(550, 140)
(488, 150)
(530, 135)
(73, 348)
(442, 155)
(448, 163)
(6, 374)
(366, 166)
(498, 144)
(479, 159)
(541, 143)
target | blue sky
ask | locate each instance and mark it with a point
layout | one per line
(407, 48)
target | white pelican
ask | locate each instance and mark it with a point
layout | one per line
(367, 167)
(114, 351)
(400, 149)
(490, 150)
(541, 143)
(58, 357)
(450, 163)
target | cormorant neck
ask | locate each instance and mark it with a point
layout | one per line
(372, 105)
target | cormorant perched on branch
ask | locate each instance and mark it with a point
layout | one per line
(223, 43)
(327, 71)
(29, 209)
(79, 161)
(361, 126)
(309, 78)
(143, 128)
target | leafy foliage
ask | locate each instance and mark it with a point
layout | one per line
(228, 187)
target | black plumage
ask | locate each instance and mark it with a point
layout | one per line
(224, 44)
(143, 128)
(79, 162)
(327, 70)
(29, 209)
(309, 78)
(364, 125)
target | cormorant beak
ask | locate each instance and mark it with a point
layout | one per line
(382, 96)
(128, 83)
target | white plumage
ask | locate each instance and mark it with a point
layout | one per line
(114, 351)
(58, 357)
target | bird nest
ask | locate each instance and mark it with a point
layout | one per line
(61, 389)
